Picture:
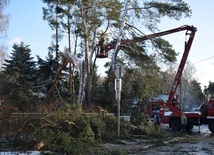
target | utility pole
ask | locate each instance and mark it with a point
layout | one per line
(119, 72)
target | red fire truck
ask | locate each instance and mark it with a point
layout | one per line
(206, 114)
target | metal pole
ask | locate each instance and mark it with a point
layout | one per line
(118, 126)
(180, 98)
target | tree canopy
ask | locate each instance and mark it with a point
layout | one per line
(209, 90)
(21, 65)
(84, 24)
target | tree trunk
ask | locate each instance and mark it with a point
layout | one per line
(87, 65)
(64, 63)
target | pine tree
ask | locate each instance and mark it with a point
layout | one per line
(209, 90)
(21, 65)
(46, 71)
(95, 19)
(20, 70)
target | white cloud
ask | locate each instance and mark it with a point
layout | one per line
(15, 40)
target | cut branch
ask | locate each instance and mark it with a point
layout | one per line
(64, 63)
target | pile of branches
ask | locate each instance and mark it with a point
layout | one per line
(69, 131)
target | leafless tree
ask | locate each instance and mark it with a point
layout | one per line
(4, 22)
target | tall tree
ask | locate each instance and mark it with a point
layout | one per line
(196, 95)
(51, 14)
(137, 54)
(4, 22)
(209, 90)
(20, 70)
(46, 71)
(98, 19)
(59, 14)
(189, 91)
(3, 19)
(21, 65)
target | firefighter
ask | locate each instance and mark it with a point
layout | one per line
(174, 102)
(102, 45)
(156, 118)
(183, 122)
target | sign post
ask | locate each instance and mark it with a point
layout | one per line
(119, 72)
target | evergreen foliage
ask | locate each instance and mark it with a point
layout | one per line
(143, 77)
(46, 71)
(21, 70)
(196, 93)
(209, 90)
(68, 129)
(21, 65)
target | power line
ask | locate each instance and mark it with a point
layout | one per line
(204, 60)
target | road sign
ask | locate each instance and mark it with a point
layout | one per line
(118, 95)
(118, 84)
(119, 72)
(117, 89)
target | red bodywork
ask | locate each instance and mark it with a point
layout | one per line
(207, 109)
(153, 106)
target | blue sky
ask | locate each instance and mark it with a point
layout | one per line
(202, 51)
(27, 25)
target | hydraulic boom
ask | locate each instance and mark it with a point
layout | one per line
(190, 31)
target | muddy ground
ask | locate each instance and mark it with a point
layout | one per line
(176, 143)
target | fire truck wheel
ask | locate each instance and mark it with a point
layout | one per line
(211, 126)
(175, 124)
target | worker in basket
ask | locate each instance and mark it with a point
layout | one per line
(101, 46)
